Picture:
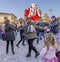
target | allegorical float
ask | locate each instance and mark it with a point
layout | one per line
(33, 13)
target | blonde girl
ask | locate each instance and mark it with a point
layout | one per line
(48, 51)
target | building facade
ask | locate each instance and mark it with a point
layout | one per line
(4, 16)
(9, 16)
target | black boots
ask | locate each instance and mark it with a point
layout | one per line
(7, 52)
(13, 52)
(17, 46)
(23, 44)
(28, 55)
(36, 55)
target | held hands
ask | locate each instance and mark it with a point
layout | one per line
(3, 32)
(45, 28)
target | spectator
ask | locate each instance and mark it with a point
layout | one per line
(9, 36)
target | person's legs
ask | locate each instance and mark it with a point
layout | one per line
(31, 47)
(12, 47)
(56, 36)
(29, 43)
(23, 42)
(38, 38)
(19, 42)
(59, 37)
(42, 35)
(7, 46)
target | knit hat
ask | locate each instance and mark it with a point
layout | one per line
(53, 17)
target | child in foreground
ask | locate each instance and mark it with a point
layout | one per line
(48, 51)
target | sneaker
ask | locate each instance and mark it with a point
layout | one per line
(28, 55)
(36, 55)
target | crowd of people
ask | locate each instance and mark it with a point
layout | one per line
(31, 30)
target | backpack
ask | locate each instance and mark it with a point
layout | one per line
(31, 28)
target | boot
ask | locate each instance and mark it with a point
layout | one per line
(23, 42)
(17, 46)
(13, 52)
(28, 55)
(7, 52)
(36, 55)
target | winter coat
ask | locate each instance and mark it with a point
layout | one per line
(54, 26)
(31, 35)
(42, 24)
(9, 32)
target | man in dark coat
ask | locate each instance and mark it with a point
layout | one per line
(54, 25)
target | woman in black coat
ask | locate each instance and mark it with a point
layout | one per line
(30, 36)
(9, 36)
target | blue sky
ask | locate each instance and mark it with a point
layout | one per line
(17, 7)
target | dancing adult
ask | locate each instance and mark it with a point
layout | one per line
(21, 32)
(31, 36)
(54, 26)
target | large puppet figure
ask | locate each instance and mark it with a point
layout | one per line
(33, 13)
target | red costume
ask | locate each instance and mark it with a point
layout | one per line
(33, 13)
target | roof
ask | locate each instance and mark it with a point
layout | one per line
(8, 14)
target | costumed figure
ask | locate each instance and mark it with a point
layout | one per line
(33, 13)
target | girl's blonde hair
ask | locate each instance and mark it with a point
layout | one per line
(49, 39)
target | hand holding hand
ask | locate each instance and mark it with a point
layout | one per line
(45, 28)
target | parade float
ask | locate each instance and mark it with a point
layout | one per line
(33, 13)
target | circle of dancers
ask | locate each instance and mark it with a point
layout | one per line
(31, 29)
